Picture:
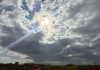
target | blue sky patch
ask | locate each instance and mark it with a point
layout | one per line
(31, 13)
(6, 8)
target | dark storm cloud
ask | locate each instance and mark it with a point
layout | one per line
(50, 58)
(12, 34)
(81, 53)
(78, 50)
(91, 27)
(65, 41)
(89, 30)
(40, 52)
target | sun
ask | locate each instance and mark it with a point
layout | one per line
(44, 21)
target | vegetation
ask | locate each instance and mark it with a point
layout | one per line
(32, 66)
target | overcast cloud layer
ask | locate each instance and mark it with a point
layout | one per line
(73, 36)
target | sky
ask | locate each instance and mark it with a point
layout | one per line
(72, 35)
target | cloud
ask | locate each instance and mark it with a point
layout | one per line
(39, 52)
(73, 37)
(12, 60)
(12, 28)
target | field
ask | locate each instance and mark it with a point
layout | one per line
(32, 66)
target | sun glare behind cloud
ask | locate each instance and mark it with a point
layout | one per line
(45, 22)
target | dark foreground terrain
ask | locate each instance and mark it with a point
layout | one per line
(32, 66)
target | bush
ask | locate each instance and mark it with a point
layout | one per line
(42, 69)
(82, 68)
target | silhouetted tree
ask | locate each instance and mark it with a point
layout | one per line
(17, 63)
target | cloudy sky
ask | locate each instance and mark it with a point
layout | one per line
(72, 36)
